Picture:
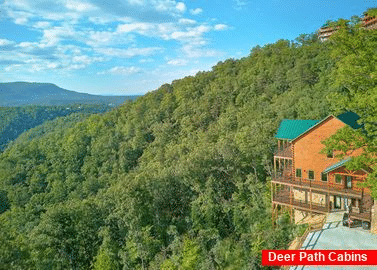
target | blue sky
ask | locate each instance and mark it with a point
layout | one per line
(129, 47)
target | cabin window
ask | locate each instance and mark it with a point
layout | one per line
(330, 154)
(298, 173)
(338, 178)
(311, 174)
(349, 181)
(324, 177)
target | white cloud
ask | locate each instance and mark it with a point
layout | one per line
(121, 70)
(128, 53)
(164, 6)
(75, 34)
(85, 59)
(195, 33)
(193, 51)
(21, 20)
(181, 7)
(219, 27)
(196, 11)
(53, 65)
(12, 68)
(75, 66)
(146, 60)
(159, 30)
(42, 24)
(177, 62)
(5, 42)
(79, 6)
(239, 4)
(52, 36)
(187, 21)
(105, 18)
(136, 2)
(19, 17)
(138, 27)
(27, 44)
(20, 4)
(37, 67)
(97, 38)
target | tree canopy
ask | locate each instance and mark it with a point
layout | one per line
(179, 178)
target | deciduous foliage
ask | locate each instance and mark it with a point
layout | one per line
(177, 179)
(354, 50)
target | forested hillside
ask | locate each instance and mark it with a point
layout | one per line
(179, 178)
(16, 120)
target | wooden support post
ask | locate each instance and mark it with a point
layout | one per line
(272, 192)
(311, 202)
(275, 165)
(277, 213)
(279, 162)
(328, 202)
(278, 145)
(272, 215)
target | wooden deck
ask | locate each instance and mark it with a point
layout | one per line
(325, 187)
(282, 197)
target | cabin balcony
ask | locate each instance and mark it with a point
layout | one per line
(285, 178)
(285, 198)
(364, 210)
(369, 23)
(283, 152)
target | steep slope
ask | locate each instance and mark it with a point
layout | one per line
(16, 120)
(177, 179)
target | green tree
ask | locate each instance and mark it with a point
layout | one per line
(106, 258)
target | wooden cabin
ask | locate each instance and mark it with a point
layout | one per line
(325, 32)
(308, 181)
(369, 22)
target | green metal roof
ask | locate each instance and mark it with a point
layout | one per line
(350, 118)
(291, 129)
(336, 165)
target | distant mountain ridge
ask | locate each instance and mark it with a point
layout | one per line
(25, 93)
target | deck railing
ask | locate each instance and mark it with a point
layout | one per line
(286, 177)
(299, 240)
(284, 197)
(311, 228)
(284, 152)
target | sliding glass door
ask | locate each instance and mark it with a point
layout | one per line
(337, 202)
